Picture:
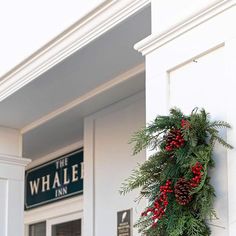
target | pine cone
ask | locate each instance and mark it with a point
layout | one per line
(182, 191)
(174, 139)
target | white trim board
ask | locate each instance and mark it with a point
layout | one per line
(96, 23)
(154, 42)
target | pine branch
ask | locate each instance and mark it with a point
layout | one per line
(183, 144)
(219, 124)
(221, 141)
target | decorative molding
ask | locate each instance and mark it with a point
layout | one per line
(14, 160)
(154, 42)
(96, 23)
(100, 89)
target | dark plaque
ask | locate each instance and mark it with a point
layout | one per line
(55, 180)
(124, 227)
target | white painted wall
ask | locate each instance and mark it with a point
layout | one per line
(108, 162)
(199, 84)
(173, 79)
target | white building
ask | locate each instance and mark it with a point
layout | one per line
(96, 84)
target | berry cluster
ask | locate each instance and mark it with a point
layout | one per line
(196, 169)
(185, 124)
(160, 204)
(174, 139)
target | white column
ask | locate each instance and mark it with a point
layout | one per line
(12, 171)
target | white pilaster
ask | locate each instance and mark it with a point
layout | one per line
(190, 61)
(12, 171)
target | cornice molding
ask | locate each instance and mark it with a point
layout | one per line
(96, 23)
(14, 160)
(154, 42)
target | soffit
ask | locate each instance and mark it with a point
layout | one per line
(97, 63)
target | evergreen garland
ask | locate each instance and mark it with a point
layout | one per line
(175, 178)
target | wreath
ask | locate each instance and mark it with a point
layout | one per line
(175, 178)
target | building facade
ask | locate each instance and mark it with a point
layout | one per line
(86, 92)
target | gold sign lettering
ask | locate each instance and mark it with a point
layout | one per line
(34, 186)
(75, 173)
(56, 182)
(66, 178)
(45, 181)
(62, 177)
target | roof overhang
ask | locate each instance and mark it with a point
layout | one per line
(105, 17)
(91, 66)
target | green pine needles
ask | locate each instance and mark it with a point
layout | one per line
(175, 178)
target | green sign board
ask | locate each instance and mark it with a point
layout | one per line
(54, 180)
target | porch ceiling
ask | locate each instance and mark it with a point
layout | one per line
(101, 61)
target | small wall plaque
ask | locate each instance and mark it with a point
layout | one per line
(124, 223)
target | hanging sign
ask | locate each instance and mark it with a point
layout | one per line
(124, 227)
(54, 180)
